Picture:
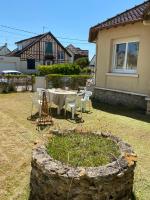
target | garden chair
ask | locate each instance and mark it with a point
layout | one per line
(39, 91)
(36, 102)
(37, 99)
(85, 100)
(70, 103)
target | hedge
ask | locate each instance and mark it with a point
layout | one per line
(49, 76)
(66, 69)
(62, 81)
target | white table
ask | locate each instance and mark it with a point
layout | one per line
(58, 97)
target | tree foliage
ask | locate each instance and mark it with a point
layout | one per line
(82, 62)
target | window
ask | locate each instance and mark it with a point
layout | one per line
(48, 62)
(125, 57)
(48, 48)
(30, 63)
(19, 46)
(61, 55)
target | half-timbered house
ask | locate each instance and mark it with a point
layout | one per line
(41, 49)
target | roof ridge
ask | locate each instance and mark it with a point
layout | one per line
(111, 18)
(36, 36)
(33, 42)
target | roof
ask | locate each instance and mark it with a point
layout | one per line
(5, 45)
(34, 37)
(93, 61)
(130, 16)
(37, 39)
(77, 50)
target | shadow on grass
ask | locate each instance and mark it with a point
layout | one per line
(122, 110)
(53, 113)
(68, 116)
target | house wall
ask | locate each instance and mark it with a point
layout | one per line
(72, 55)
(25, 43)
(22, 66)
(37, 51)
(9, 63)
(139, 83)
(14, 63)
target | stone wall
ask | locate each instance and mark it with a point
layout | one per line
(120, 98)
(52, 180)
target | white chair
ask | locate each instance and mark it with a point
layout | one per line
(70, 103)
(36, 102)
(85, 100)
(37, 99)
(39, 89)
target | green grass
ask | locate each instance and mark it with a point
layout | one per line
(17, 137)
(84, 150)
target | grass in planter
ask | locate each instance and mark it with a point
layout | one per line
(82, 150)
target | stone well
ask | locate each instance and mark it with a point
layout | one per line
(52, 180)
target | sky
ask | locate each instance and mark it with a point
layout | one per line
(64, 18)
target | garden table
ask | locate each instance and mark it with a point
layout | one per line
(58, 97)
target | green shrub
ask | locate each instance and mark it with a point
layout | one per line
(71, 81)
(82, 62)
(86, 70)
(83, 76)
(66, 69)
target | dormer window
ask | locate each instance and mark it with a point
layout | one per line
(19, 47)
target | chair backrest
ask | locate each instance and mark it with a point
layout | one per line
(38, 96)
(87, 95)
(40, 90)
(35, 97)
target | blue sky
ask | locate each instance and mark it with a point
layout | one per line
(64, 18)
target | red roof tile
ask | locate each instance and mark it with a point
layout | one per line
(132, 15)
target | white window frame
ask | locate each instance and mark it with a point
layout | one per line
(124, 69)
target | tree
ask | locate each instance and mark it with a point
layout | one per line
(82, 62)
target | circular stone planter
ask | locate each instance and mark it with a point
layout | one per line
(52, 180)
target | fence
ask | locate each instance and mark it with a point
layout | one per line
(16, 83)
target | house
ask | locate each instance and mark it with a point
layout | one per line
(42, 49)
(4, 50)
(92, 65)
(76, 52)
(123, 57)
(9, 63)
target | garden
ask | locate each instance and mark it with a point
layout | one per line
(19, 136)
(86, 148)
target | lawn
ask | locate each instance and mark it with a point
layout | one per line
(82, 150)
(18, 135)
